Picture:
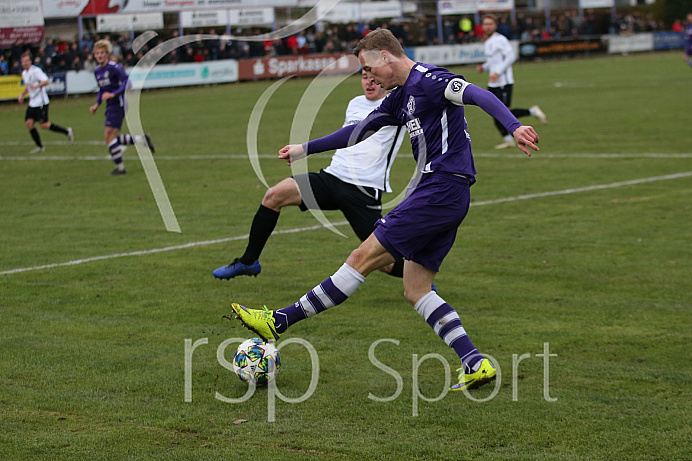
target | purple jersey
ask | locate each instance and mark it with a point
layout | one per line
(437, 126)
(111, 78)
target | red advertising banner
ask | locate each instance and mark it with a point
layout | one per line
(32, 35)
(277, 67)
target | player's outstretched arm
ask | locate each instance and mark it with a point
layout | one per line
(461, 92)
(526, 138)
(292, 152)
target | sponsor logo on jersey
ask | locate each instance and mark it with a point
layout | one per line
(414, 127)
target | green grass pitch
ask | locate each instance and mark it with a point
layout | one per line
(585, 247)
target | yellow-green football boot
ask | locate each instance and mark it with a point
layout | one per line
(485, 373)
(261, 321)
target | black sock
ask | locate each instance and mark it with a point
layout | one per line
(58, 128)
(262, 227)
(520, 112)
(37, 138)
(397, 269)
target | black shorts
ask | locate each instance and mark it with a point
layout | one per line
(37, 114)
(503, 93)
(362, 206)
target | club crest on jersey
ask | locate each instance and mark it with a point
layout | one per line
(411, 106)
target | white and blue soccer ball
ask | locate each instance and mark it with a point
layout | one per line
(256, 361)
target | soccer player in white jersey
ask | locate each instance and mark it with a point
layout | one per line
(429, 101)
(499, 57)
(353, 183)
(36, 82)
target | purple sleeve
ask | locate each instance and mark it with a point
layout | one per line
(351, 134)
(98, 96)
(492, 105)
(337, 140)
(123, 81)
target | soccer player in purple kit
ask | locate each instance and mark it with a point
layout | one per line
(113, 81)
(688, 38)
(429, 101)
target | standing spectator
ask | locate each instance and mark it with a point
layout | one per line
(60, 46)
(292, 44)
(4, 68)
(500, 56)
(320, 41)
(503, 27)
(15, 69)
(677, 26)
(49, 48)
(214, 46)
(89, 63)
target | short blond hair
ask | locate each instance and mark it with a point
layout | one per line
(378, 40)
(104, 44)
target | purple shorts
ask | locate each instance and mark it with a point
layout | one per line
(115, 112)
(423, 227)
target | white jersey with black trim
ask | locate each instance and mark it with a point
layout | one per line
(499, 57)
(367, 163)
(37, 96)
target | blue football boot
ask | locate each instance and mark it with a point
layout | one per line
(237, 268)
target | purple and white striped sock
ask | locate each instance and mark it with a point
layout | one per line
(444, 320)
(116, 149)
(128, 139)
(331, 292)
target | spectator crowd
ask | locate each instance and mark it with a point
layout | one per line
(59, 55)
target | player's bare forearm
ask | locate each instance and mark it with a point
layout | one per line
(526, 138)
(292, 152)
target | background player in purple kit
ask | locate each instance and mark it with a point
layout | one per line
(429, 101)
(688, 39)
(112, 81)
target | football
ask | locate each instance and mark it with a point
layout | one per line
(256, 361)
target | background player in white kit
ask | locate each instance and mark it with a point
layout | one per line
(36, 82)
(499, 57)
(353, 183)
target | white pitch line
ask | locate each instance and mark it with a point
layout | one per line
(53, 143)
(270, 156)
(159, 250)
(341, 223)
(586, 189)
(107, 157)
